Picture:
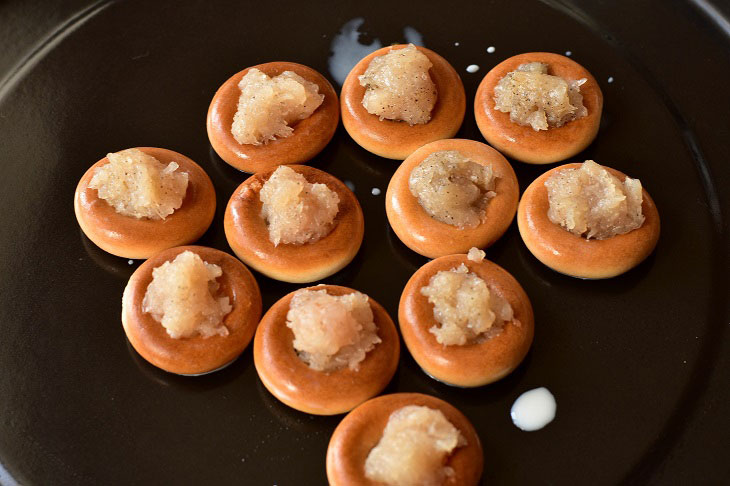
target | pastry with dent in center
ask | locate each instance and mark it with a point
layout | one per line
(139, 201)
(588, 221)
(465, 320)
(538, 107)
(401, 97)
(272, 114)
(451, 195)
(191, 310)
(294, 224)
(325, 349)
(405, 439)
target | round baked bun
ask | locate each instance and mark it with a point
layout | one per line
(297, 385)
(397, 139)
(432, 238)
(574, 255)
(523, 142)
(361, 430)
(194, 355)
(130, 237)
(310, 135)
(469, 365)
(248, 234)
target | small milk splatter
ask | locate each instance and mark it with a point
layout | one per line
(472, 68)
(534, 409)
(491, 49)
(456, 44)
(568, 53)
(347, 49)
(350, 185)
(131, 262)
(610, 79)
(413, 36)
(375, 191)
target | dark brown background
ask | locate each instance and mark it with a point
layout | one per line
(639, 364)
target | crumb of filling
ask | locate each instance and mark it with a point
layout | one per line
(297, 212)
(591, 202)
(476, 255)
(269, 106)
(416, 444)
(398, 86)
(183, 296)
(537, 99)
(453, 189)
(138, 185)
(464, 307)
(331, 332)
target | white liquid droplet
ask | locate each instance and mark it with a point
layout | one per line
(456, 44)
(347, 50)
(568, 53)
(375, 191)
(491, 49)
(534, 409)
(131, 262)
(350, 185)
(472, 68)
(610, 79)
(412, 36)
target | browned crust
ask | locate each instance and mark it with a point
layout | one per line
(248, 234)
(574, 255)
(310, 135)
(293, 382)
(472, 364)
(196, 354)
(130, 237)
(394, 139)
(523, 142)
(362, 429)
(432, 238)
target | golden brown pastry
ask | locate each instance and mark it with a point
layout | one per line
(309, 137)
(295, 383)
(575, 255)
(475, 363)
(523, 142)
(430, 237)
(196, 354)
(131, 237)
(361, 430)
(248, 233)
(397, 139)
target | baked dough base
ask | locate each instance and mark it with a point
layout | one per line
(396, 139)
(475, 364)
(574, 255)
(523, 142)
(361, 430)
(195, 355)
(310, 136)
(295, 384)
(129, 237)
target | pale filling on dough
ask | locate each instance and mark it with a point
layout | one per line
(464, 307)
(416, 444)
(331, 332)
(592, 203)
(183, 296)
(453, 189)
(138, 185)
(398, 86)
(532, 97)
(297, 212)
(269, 106)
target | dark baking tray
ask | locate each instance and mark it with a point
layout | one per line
(639, 363)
